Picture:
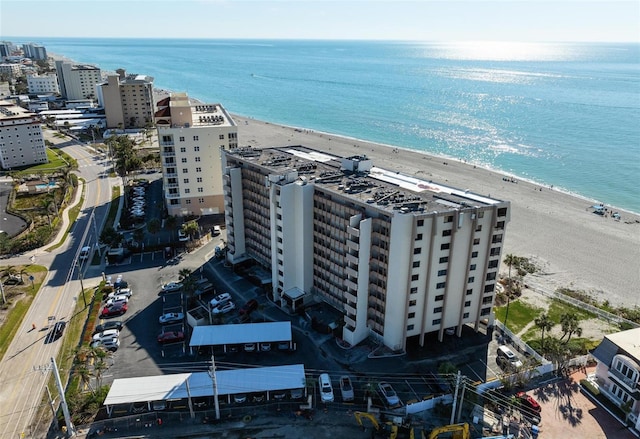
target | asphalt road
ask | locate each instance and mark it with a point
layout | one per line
(28, 355)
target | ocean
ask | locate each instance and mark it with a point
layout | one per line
(565, 115)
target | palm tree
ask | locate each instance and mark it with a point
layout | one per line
(84, 374)
(570, 325)
(98, 368)
(544, 323)
(21, 273)
(191, 228)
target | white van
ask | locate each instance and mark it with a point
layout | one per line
(506, 357)
(326, 391)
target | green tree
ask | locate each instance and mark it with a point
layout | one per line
(510, 260)
(570, 325)
(191, 229)
(545, 324)
(111, 237)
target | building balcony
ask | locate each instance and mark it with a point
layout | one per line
(168, 153)
(353, 231)
(350, 308)
(352, 259)
(353, 245)
(350, 284)
(629, 384)
(349, 322)
(172, 185)
(176, 195)
(351, 272)
(165, 143)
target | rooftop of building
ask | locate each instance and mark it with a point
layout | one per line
(628, 340)
(9, 110)
(202, 115)
(357, 178)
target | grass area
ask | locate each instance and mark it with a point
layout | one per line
(113, 207)
(73, 216)
(520, 314)
(557, 308)
(16, 314)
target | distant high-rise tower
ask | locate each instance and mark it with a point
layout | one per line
(128, 100)
(77, 81)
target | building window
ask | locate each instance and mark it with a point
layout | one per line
(445, 246)
(495, 251)
(417, 250)
(485, 311)
(491, 276)
(472, 267)
(196, 148)
(411, 315)
(409, 327)
(442, 272)
(185, 170)
(182, 138)
(441, 285)
(467, 303)
(419, 237)
(183, 160)
(197, 159)
(437, 309)
(439, 297)
(502, 211)
(489, 288)
(183, 149)
(198, 169)
(465, 315)
(200, 189)
(446, 232)
(195, 138)
(474, 254)
(481, 214)
(199, 180)
(413, 290)
(436, 322)
(479, 228)
(416, 264)
(496, 239)
(469, 291)
(412, 303)
(420, 223)
(471, 279)
(414, 277)
(476, 241)
(186, 181)
(444, 259)
(448, 219)
(221, 136)
(200, 200)
(493, 264)
(187, 191)
(487, 300)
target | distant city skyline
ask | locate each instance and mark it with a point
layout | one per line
(456, 20)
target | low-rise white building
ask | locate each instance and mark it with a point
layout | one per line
(21, 140)
(46, 83)
(10, 69)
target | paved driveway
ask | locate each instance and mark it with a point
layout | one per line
(568, 413)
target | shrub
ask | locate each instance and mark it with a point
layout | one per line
(590, 387)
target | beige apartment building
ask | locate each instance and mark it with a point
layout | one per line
(191, 136)
(128, 100)
(21, 140)
(77, 81)
(397, 256)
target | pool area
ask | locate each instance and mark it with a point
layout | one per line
(42, 187)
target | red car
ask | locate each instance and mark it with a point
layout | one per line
(527, 402)
(171, 337)
(249, 307)
(116, 309)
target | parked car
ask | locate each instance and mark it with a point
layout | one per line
(507, 359)
(116, 299)
(127, 292)
(109, 333)
(249, 307)
(115, 310)
(390, 396)
(170, 337)
(216, 230)
(296, 393)
(113, 324)
(120, 283)
(265, 347)
(240, 398)
(171, 317)
(219, 299)
(171, 287)
(110, 344)
(249, 347)
(326, 390)
(182, 237)
(224, 308)
(528, 403)
(346, 388)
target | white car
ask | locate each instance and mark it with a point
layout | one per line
(224, 308)
(127, 292)
(171, 317)
(182, 237)
(109, 333)
(116, 299)
(220, 299)
(326, 390)
(110, 344)
(390, 395)
(171, 286)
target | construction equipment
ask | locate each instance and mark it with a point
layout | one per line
(459, 431)
(389, 429)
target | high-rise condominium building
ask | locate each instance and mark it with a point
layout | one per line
(397, 255)
(77, 81)
(45, 83)
(191, 136)
(21, 140)
(128, 100)
(34, 51)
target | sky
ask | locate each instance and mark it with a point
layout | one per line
(426, 20)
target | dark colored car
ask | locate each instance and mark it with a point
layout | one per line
(56, 332)
(170, 337)
(114, 310)
(249, 307)
(114, 324)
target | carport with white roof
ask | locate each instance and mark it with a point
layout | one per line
(200, 384)
(224, 335)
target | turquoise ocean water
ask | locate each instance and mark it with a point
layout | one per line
(565, 114)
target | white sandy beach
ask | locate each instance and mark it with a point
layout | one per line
(576, 248)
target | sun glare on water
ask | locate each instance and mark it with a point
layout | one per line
(501, 51)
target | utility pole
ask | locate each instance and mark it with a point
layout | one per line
(455, 398)
(193, 415)
(84, 299)
(464, 386)
(212, 374)
(70, 430)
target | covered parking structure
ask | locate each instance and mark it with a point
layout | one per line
(230, 335)
(184, 386)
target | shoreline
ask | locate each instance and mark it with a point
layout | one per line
(573, 247)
